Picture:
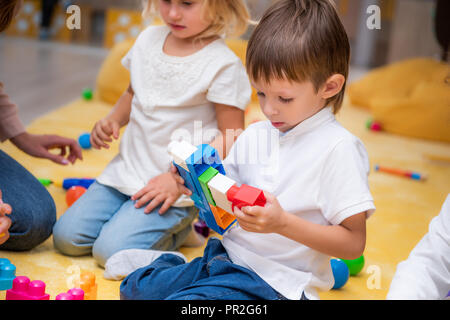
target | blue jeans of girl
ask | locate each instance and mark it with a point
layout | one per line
(104, 221)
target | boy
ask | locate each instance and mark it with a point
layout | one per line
(315, 181)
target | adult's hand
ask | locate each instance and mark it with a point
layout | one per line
(39, 146)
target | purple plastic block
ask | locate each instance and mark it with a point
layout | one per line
(201, 228)
(23, 289)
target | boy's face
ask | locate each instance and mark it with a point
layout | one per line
(286, 103)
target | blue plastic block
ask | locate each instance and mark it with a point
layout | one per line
(205, 157)
(7, 274)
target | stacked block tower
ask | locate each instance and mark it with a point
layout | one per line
(213, 193)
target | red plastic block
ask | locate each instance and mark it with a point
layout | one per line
(72, 294)
(23, 289)
(246, 195)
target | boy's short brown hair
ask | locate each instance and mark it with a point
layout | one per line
(300, 40)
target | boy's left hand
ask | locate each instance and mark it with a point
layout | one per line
(165, 188)
(267, 219)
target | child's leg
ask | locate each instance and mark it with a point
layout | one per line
(212, 276)
(77, 229)
(226, 281)
(132, 228)
(161, 278)
(33, 209)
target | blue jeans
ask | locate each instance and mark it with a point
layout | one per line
(33, 209)
(104, 221)
(211, 277)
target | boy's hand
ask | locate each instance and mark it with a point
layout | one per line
(102, 132)
(267, 219)
(165, 188)
(5, 222)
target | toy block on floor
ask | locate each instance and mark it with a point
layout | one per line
(23, 289)
(7, 274)
(88, 285)
(72, 294)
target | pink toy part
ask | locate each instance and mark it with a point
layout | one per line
(376, 126)
(72, 294)
(23, 289)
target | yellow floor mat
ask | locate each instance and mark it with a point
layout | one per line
(404, 207)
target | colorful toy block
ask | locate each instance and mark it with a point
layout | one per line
(214, 194)
(246, 195)
(7, 274)
(88, 285)
(204, 179)
(72, 294)
(223, 218)
(23, 289)
(218, 186)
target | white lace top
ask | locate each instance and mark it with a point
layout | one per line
(174, 98)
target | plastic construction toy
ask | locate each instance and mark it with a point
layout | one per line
(23, 289)
(355, 266)
(87, 94)
(73, 194)
(84, 140)
(7, 274)
(88, 285)
(213, 193)
(340, 273)
(72, 294)
(373, 125)
(68, 182)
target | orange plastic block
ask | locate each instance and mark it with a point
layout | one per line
(223, 218)
(88, 285)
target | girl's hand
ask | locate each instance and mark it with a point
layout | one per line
(267, 219)
(5, 222)
(39, 146)
(102, 132)
(165, 188)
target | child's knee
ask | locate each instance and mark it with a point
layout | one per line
(68, 241)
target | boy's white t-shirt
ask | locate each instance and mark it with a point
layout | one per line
(425, 275)
(318, 171)
(173, 98)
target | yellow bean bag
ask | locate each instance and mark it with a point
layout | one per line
(410, 98)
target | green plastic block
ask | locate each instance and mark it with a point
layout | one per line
(204, 179)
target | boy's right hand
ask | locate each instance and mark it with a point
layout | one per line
(5, 222)
(102, 132)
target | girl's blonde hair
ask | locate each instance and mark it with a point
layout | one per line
(228, 17)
